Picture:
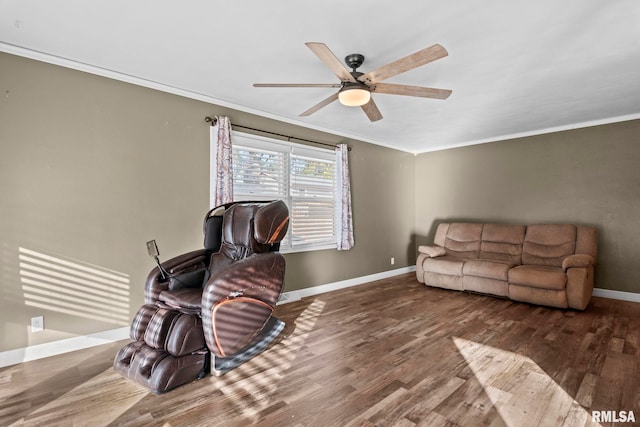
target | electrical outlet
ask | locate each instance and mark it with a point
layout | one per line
(393, 260)
(37, 324)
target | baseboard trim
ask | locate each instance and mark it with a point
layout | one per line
(619, 295)
(292, 296)
(39, 351)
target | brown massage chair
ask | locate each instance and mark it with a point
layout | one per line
(210, 309)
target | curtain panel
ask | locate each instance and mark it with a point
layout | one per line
(222, 155)
(345, 239)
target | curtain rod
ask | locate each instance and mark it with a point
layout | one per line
(214, 121)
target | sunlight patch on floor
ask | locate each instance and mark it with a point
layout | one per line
(110, 395)
(251, 386)
(522, 393)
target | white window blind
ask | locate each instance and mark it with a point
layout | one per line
(303, 177)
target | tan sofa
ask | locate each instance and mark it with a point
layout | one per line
(546, 264)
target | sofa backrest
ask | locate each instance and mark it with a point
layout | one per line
(538, 244)
(548, 244)
(502, 242)
(463, 239)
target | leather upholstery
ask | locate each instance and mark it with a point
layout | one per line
(254, 278)
(248, 231)
(217, 302)
(168, 349)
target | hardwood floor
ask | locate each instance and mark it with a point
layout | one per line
(388, 353)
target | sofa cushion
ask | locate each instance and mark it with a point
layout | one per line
(488, 269)
(447, 264)
(548, 244)
(538, 276)
(502, 242)
(485, 286)
(551, 298)
(446, 281)
(463, 240)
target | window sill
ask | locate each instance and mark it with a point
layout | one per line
(308, 249)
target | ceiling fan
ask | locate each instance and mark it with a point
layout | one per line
(356, 87)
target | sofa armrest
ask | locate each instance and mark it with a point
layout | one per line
(577, 261)
(432, 251)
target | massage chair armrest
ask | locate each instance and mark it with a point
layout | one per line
(258, 276)
(180, 264)
(432, 251)
(255, 281)
(577, 261)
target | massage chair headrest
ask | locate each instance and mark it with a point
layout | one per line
(245, 224)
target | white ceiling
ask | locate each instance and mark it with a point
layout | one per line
(515, 67)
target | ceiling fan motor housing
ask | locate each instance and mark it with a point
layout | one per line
(354, 60)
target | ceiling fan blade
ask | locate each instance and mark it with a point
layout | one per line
(296, 85)
(371, 110)
(319, 105)
(324, 53)
(407, 63)
(424, 92)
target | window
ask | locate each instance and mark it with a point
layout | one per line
(303, 177)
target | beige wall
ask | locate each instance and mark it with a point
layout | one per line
(92, 168)
(584, 176)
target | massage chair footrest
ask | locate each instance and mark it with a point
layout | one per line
(158, 370)
(164, 328)
(270, 331)
(169, 349)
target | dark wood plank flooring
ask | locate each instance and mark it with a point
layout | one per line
(388, 353)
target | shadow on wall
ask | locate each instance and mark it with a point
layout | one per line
(38, 282)
(73, 287)
(412, 249)
(421, 239)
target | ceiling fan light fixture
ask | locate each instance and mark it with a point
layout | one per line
(354, 95)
